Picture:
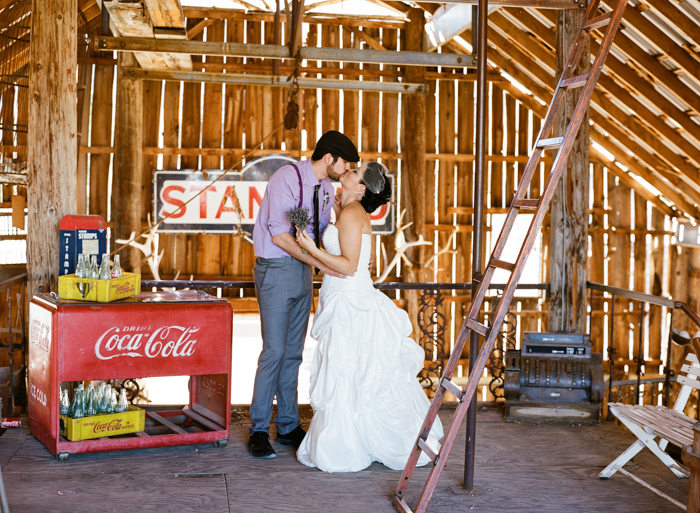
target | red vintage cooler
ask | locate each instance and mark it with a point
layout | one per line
(149, 335)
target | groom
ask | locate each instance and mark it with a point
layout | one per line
(283, 284)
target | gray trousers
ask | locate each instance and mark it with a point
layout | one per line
(284, 290)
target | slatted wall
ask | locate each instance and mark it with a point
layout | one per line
(198, 125)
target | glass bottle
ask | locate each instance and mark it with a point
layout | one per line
(113, 403)
(123, 403)
(104, 267)
(105, 400)
(80, 266)
(117, 269)
(76, 407)
(94, 270)
(65, 402)
(92, 403)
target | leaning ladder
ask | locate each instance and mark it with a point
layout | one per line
(520, 203)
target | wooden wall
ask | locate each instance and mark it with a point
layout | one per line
(185, 121)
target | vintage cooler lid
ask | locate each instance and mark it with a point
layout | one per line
(82, 222)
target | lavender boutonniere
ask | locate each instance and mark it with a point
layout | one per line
(300, 217)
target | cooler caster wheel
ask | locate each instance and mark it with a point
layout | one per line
(62, 456)
(220, 443)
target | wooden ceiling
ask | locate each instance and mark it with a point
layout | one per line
(645, 111)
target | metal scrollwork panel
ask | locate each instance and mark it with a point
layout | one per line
(432, 338)
(496, 362)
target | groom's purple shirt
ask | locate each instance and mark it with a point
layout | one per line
(282, 193)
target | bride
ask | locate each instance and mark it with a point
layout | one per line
(367, 403)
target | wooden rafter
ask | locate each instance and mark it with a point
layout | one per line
(655, 70)
(199, 27)
(397, 22)
(323, 3)
(546, 57)
(622, 92)
(166, 18)
(541, 84)
(652, 122)
(667, 45)
(371, 42)
(630, 182)
(619, 153)
(675, 17)
(130, 20)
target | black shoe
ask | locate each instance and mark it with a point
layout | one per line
(292, 438)
(259, 446)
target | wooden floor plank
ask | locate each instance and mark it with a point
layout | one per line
(519, 467)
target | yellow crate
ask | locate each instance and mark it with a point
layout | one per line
(102, 291)
(107, 424)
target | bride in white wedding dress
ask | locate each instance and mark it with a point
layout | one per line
(367, 403)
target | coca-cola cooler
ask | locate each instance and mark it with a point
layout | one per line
(149, 335)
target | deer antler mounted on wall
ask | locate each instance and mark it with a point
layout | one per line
(444, 250)
(401, 246)
(148, 248)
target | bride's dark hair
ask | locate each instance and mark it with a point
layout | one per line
(371, 201)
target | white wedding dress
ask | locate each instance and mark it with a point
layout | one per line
(367, 402)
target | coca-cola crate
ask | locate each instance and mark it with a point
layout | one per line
(102, 291)
(108, 424)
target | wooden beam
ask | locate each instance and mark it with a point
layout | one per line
(371, 42)
(275, 81)
(130, 20)
(126, 183)
(52, 123)
(650, 176)
(199, 27)
(330, 54)
(568, 210)
(635, 16)
(322, 19)
(167, 18)
(539, 4)
(414, 107)
(13, 178)
(675, 16)
(633, 184)
(658, 71)
(323, 3)
(541, 54)
(542, 77)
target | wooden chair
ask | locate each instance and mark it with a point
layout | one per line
(649, 423)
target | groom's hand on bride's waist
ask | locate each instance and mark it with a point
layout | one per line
(331, 272)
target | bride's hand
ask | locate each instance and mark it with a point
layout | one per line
(305, 241)
(336, 204)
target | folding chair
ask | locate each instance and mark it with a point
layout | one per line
(649, 423)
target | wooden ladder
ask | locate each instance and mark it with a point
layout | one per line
(520, 204)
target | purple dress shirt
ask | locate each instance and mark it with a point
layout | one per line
(282, 193)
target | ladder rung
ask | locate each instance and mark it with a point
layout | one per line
(477, 326)
(597, 22)
(451, 387)
(427, 450)
(503, 265)
(403, 505)
(526, 203)
(549, 144)
(574, 82)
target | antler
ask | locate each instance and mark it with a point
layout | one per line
(148, 248)
(401, 246)
(444, 250)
